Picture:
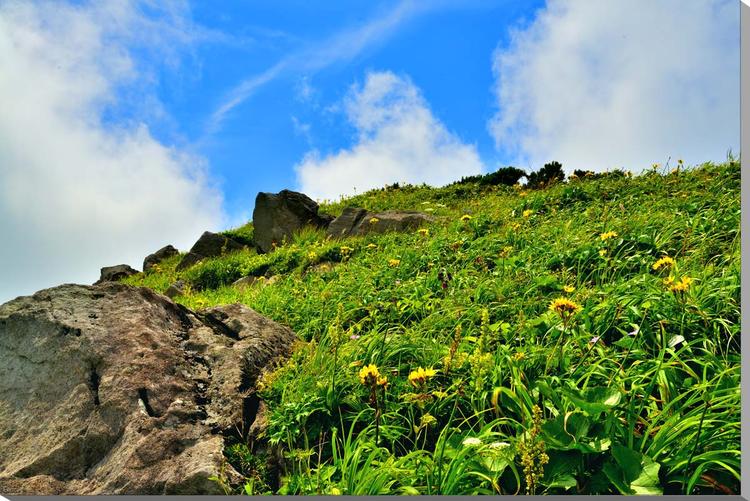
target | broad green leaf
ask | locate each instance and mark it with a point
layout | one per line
(648, 481)
(629, 460)
(594, 400)
(564, 481)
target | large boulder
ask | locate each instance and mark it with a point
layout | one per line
(115, 273)
(356, 221)
(159, 256)
(114, 389)
(209, 245)
(278, 215)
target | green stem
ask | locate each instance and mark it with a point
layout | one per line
(695, 447)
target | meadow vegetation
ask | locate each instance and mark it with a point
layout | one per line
(580, 338)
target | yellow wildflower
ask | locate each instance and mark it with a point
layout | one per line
(515, 226)
(421, 375)
(527, 213)
(335, 491)
(374, 220)
(424, 232)
(394, 262)
(682, 285)
(564, 307)
(369, 375)
(372, 246)
(518, 356)
(345, 251)
(607, 235)
(602, 252)
(465, 218)
(569, 288)
(312, 255)
(664, 262)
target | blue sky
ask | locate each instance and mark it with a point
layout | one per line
(131, 124)
(445, 49)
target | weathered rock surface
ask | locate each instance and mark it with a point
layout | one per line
(176, 289)
(357, 221)
(113, 389)
(209, 245)
(159, 256)
(115, 273)
(278, 215)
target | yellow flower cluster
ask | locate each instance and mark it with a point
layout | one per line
(607, 235)
(420, 376)
(394, 262)
(374, 220)
(372, 246)
(664, 262)
(369, 375)
(465, 218)
(569, 288)
(527, 213)
(564, 307)
(424, 232)
(681, 285)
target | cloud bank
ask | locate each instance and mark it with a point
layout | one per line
(599, 85)
(398, 140)
(78, 189)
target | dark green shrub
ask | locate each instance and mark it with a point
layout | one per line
(549, 174)
(507, 176)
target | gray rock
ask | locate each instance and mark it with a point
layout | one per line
(354, 221)
(113, 389)
(115, 273)
(245, 282)
(346, 222)
(176, 289)
(209, 245)
(277, 216)
(159, 256)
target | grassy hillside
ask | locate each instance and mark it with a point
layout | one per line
(523, 343)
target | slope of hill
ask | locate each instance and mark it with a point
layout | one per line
(583, 338)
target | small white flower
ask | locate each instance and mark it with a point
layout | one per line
(471, 441)
(498, 445)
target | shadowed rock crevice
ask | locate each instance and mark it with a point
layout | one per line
(113, 389)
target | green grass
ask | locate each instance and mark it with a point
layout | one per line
(639, 391)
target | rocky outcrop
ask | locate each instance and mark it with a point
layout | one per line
(176, 289)
(115, 273)
(113, 389)
(278, 215)
(209, 245)
(356, 221)
(159, 256)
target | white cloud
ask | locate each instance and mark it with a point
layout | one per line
(78, 192)
(341, 46)
(399, 140)
(598, 85)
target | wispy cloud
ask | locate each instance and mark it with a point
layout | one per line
(400, 140)
(599, 85)
(78, 191)
(340, 47)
